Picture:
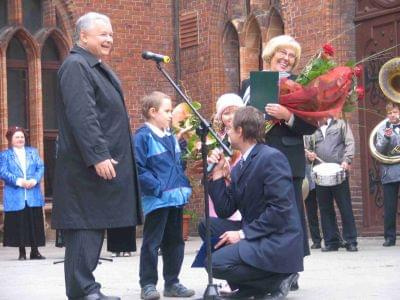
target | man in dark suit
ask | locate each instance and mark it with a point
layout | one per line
(262, 253)
(96, 184)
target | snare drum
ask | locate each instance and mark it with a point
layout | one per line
(328, 174)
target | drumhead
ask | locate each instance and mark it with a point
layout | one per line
(327, 168)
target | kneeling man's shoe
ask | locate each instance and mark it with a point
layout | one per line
(149, 292)
(178, 290)
(295, 285)
(388, 243)
(99, 296)
(283, 290)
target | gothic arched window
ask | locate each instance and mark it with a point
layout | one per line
(32, 15)
(17, 84)
(230, 47)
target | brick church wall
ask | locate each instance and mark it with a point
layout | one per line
(149, 25)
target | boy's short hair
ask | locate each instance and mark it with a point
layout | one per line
(252, 121)
(390, 105)
(151, 100)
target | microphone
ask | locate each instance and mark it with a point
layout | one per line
(156, 57)
(211, 166)
(388, 124)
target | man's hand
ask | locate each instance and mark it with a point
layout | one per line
(229, 237)
(345, 166)
(105, 169)
(278, 111)
(311, 155)
(388, 132)
(217, 157)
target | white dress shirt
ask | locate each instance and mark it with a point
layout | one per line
(157, 131)
(325, 127)
(21, 156)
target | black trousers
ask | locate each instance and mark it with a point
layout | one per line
(390, 194)
(297, 184)
(82, 252)
(227, 264)
(162, 229)
(312, 216)
(341, 194)
(121, 239)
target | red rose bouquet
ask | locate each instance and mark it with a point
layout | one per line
(322, 89)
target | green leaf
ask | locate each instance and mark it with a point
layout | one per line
(196, 105)
(348, 108)
(351, 63)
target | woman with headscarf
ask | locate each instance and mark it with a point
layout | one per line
(226, 106)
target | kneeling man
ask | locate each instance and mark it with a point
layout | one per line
(260, 255)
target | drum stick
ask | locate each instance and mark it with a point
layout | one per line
(316, 157)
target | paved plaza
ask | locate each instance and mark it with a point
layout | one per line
(371, 273)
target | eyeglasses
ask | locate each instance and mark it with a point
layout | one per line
(284, 53)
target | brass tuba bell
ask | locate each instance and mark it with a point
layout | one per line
(389, 82)
(389, 79)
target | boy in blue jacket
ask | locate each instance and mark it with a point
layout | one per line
(165, 190)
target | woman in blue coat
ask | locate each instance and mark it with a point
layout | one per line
(21, 169)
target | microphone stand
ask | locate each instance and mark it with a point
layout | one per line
(211, 292)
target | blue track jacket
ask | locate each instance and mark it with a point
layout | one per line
(162, 179)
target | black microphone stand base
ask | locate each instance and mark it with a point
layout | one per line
(211, 293)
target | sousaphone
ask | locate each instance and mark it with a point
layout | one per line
(389, 82)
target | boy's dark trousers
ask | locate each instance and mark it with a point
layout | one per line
(162, 229)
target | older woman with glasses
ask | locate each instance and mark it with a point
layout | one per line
(282, 54)
(21, 169)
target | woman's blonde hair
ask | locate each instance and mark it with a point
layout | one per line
(280, 42)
